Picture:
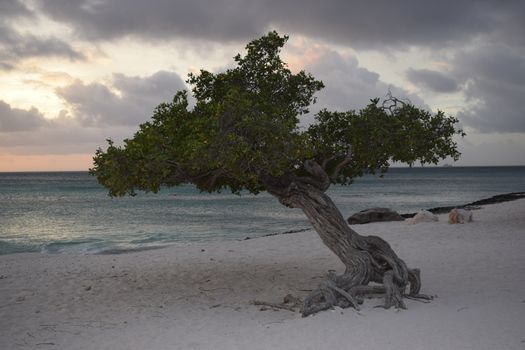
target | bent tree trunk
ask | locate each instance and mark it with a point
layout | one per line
(366, 258)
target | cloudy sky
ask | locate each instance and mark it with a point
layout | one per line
(76, 72)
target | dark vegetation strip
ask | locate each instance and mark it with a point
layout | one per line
(500, 198)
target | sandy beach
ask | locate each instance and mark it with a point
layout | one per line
(199, 296)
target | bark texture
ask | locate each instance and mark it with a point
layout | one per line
(366, 258)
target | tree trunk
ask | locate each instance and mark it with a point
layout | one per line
(366, 258)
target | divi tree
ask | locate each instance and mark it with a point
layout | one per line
(243, 135)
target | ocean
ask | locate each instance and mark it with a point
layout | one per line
(56, 212)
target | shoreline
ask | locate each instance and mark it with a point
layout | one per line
(200, 295)
(500, 198)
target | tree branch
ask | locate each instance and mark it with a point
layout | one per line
(320, 177)
(180, 175)
(310, 181)
(340, 166)
(327, 160)
(277, 186)
(391, 103)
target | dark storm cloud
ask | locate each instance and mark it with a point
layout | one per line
(497, 62)
(378, 25)
(15, 46)
(99, 105)
(160, 19)
(490, 78)
(495, 86)
(14, 119)
(10, 8)
(368, 24)
(386, 24)
(432, 80)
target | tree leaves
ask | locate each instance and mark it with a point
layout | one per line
(244, 126)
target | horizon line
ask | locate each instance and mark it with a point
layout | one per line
(391, 167)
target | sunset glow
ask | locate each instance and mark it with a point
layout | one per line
(72, 76)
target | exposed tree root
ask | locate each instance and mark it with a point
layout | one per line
(393, 296)
(351, 288)
(332, 292)
(378, 264)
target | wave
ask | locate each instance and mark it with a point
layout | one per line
(83, 245)
(18, 247)
(116, 251)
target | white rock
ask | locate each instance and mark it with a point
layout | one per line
(422, 216)
(459, 216)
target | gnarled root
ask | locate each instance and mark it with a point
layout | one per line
(378, 263)
(329, 294)
(393, 293)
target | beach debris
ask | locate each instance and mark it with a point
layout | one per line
(374, 215)
(23, 294)
(459, 216)
(265, 304)
(282, 233)
(422, 216)
(290, 303)
(290, 299)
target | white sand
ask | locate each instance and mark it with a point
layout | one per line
(182, 297)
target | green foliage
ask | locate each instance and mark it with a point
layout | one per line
(377, 136)
(245, 126)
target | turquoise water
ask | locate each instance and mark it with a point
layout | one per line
(69, 211)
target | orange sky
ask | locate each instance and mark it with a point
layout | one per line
(58, 162)
(73, 76)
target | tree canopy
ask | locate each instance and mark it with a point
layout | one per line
(245, 128)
